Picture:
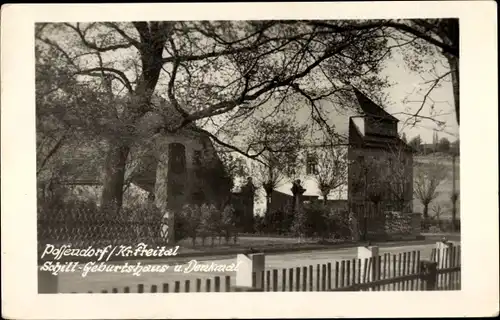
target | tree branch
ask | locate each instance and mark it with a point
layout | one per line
(396, 25)
(134, 42)
(121, 75)
(229, 146)
(225, 106)
(93, 45)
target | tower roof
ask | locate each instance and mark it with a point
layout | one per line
(370, 108)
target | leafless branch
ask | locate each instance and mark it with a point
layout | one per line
(93, 45)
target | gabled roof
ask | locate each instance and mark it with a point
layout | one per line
(370, 108)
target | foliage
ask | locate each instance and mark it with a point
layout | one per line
(235, 166)
(259, 224)
(398, 223)
(337, 224)
(444, 145)
(416, 143)
(300, 225)
(190, 216)
(207, 220)
(319, 220)
(279, 220)
(227, 224)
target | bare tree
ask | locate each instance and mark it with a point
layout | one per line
(279, 146)
(399, 179)
(438, 210)
(427, 179)
(331, 171)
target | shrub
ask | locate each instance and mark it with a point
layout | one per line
(323, 221)
(227, 224)
(397, 223)
(180, 228)
(259, 224)
(338, 225)
(190, 216)
(299, 226)
(209, 222)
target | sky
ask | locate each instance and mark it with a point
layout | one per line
(406, 90)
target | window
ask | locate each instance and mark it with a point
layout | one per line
(312, 164)
(177, 158)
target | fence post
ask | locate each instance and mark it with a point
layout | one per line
(247, 265)
(443, 253)
(428, 274)
(47, 282)
(367, 254)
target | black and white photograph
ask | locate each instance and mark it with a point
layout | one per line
(247, 155)
(307, 155)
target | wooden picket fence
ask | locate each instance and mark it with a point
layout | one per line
(210, 285)
(387, 272)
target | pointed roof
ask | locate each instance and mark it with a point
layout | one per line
(370, 108)
(358, 139)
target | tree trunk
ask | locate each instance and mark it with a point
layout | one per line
(114, 176)
(455, 81)
(426, 215)
(454, 214)
(112, 194)
(267, 218)
(426, 210)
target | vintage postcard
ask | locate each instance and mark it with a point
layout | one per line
(240, 160)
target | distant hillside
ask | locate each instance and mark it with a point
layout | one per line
(446, 186)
